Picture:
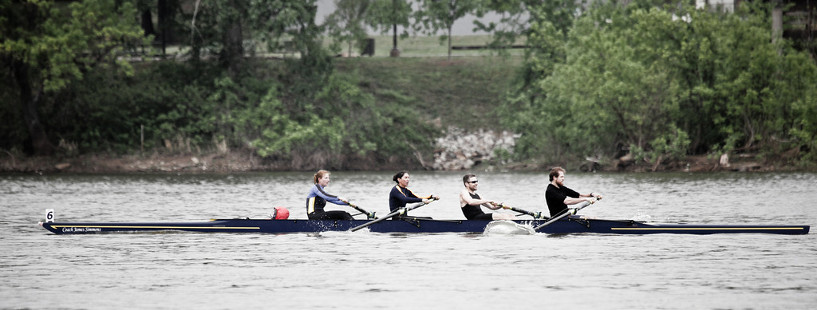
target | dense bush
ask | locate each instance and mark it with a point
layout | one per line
(664, 83)
(197, 108)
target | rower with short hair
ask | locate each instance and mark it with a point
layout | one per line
(317, 198)
(470, 202)
(558, 196)
(400, 195)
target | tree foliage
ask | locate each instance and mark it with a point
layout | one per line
(385, 15)
(665, 82)
(661, 82)
(516, 18)
(233, 29)
(435, 15)
(46, 47)
(348, 22)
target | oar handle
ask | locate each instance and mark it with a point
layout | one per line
(409, 208)
(567, 212)
(388, 216)
(536, 215)
(369, 215)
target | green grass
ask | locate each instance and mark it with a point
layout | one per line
(415, 46)
(427, 46)
(462, 92)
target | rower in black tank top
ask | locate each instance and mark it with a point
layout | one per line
(473, 212)
(471, 202)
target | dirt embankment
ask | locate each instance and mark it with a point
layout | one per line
(100, 163)
(245, 162)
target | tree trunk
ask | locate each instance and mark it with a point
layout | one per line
(233, 48)
(147, 23)
(233, 40)
(449, 40)
(164, 24)
(394, 36)
(30, 102)
(777, 25)
(395, 52)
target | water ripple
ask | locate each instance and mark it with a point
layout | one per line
(342, 270)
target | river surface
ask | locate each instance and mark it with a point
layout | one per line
(364, 270)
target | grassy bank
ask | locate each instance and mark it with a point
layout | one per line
(462, 92)
(426, 46)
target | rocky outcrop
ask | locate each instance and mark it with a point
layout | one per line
(460, 150)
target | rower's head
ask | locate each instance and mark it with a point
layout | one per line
(322, 177)
(402, 178)
(470, 181)
(558, 174)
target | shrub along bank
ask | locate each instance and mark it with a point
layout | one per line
(665, 83)
(358, 113)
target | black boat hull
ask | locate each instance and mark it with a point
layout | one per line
(571, 225)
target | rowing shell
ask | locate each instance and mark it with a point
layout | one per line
(568, 225)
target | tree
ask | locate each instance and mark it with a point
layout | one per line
(387, 15)
(436, 15)
(518, 15)
(346, 24)
(233, 29)
(165, 11)
(47, 48)
(218, 27)
(263, 24)
(667, 82)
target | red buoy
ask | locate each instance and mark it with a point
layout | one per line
(280, 213)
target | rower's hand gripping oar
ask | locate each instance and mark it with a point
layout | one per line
(536, 215)
(369, 215)
(388, 216)
(565, 213)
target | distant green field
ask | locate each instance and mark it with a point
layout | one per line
(427, 46)
(415, 46)
(462, 92)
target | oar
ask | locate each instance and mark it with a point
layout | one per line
(369, 215)
(563, 214)
(536, 215)
(388, 216)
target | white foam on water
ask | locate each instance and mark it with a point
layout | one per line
(641, 217)
(507, 228)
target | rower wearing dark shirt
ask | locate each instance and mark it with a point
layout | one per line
(558, 196)
(400, 195)
(470, 202)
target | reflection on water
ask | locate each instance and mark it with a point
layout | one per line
(345, 270)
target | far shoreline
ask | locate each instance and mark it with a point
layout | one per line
(238, 162)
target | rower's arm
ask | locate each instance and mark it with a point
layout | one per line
(396, 193)
(573, 201)
(328, 197)
(493, 205)
(464, 196)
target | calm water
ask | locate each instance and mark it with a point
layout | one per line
(342, 270)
